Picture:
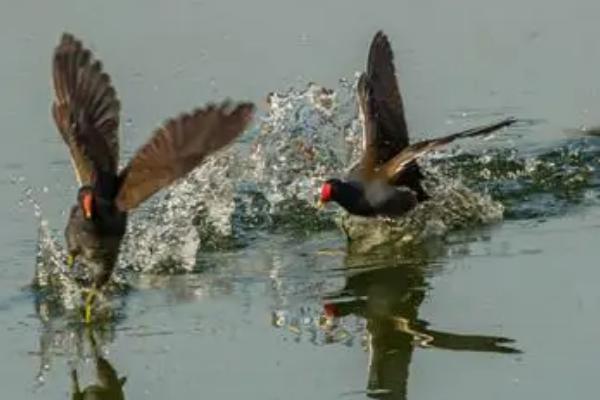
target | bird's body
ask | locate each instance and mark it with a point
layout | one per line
(387, 181)
(96, 242)
(87, 112)
(376, 199)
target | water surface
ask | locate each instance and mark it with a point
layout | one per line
(508, 310)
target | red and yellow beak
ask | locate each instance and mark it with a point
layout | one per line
(86, 205)
(325, 197)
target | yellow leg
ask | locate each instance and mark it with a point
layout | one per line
(70, 261)
(89, 299)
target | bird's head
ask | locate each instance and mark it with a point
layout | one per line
(328, 192)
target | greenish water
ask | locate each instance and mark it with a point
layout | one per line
(505, 310)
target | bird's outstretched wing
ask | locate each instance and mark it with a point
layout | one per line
(385, 109)
(390, 170)
(85, 109)
(178, 147)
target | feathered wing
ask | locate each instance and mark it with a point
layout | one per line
(378, 93)
(390, 135)
(368, 162)
(390, 170)
(85, 109)
(177, 148)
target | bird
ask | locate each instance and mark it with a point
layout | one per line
(86, 111)
(387, 181)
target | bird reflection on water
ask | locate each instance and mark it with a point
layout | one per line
(109, 385)
(388, 298)
(62, 334)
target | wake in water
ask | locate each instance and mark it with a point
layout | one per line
(547, 181)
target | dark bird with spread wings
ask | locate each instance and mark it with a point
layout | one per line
(387, 179)
(86, 111)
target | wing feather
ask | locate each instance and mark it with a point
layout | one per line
(390, 170)
(85, 109)
(178, 147)
(386, 105)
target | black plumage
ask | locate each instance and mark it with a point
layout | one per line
(387, 179)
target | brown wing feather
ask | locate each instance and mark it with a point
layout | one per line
(85, 109)
(369, 161)
(387, 109)
(177, 148)
(390, 170)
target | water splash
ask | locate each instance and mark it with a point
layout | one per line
(51, 275)
(271, 184)
(538, 184)
(310, 134)
(305, 137)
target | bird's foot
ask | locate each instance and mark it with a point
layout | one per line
(89, 299)
(70, 261)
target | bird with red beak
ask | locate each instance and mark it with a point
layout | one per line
(387, 179)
